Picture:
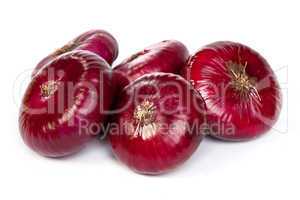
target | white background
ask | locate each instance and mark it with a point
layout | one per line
(266, 168)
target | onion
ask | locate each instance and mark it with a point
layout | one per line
(239, 88)
(158, 125)
(166, 56)
(65, 103)
(99, 42)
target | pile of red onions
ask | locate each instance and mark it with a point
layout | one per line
(157, 105)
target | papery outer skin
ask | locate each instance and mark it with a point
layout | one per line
(60, 129)
(99, 42)
(208, 72)
(168, 147)
(166, 56)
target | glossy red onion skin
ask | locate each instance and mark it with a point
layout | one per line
(252, 116)
(61, 130)
(167, 56)
(99, 42)
(168, 148)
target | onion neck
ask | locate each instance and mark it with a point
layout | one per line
(240, 80)
(48, 88)
(144, 116)
(68, 47)
(135, 56)
(144, 113)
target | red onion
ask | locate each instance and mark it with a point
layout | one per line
(239, 88)
(159, 124)
(99, 42)
(166, 56)
(65, 103)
